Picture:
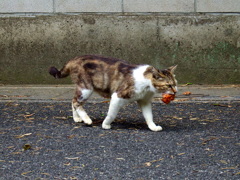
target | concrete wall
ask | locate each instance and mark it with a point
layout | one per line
(56, 6)
(201, 36)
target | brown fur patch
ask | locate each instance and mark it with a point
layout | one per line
(104, 75)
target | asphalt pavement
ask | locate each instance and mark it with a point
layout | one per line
(200, 137)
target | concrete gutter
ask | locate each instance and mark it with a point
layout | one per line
(64, 93)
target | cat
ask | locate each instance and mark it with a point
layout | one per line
(118, 80)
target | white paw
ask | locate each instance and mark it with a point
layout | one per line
(77, 119)
(88, 121)
(106, 126)
(155, 128)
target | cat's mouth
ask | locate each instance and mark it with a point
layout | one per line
(173, 89)
(170, 92)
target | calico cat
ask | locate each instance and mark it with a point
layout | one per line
(118, 80)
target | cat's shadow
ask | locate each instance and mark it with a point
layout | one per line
(184, 125)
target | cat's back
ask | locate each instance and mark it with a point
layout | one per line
(101, 63)
(98, 59)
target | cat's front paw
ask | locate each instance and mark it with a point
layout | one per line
(88, 121)
(77, 119)
(155, 128)
(106, 126)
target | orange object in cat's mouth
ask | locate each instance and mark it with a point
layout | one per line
(167, 98)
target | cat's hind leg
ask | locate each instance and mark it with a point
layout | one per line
(147, 113)
(79, 114)
(115, 104)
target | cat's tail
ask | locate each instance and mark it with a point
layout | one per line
(64, 72)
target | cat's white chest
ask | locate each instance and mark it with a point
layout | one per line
(142, 86)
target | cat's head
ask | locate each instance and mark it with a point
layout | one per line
(164, 80)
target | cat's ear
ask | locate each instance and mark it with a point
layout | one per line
(172, 68)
